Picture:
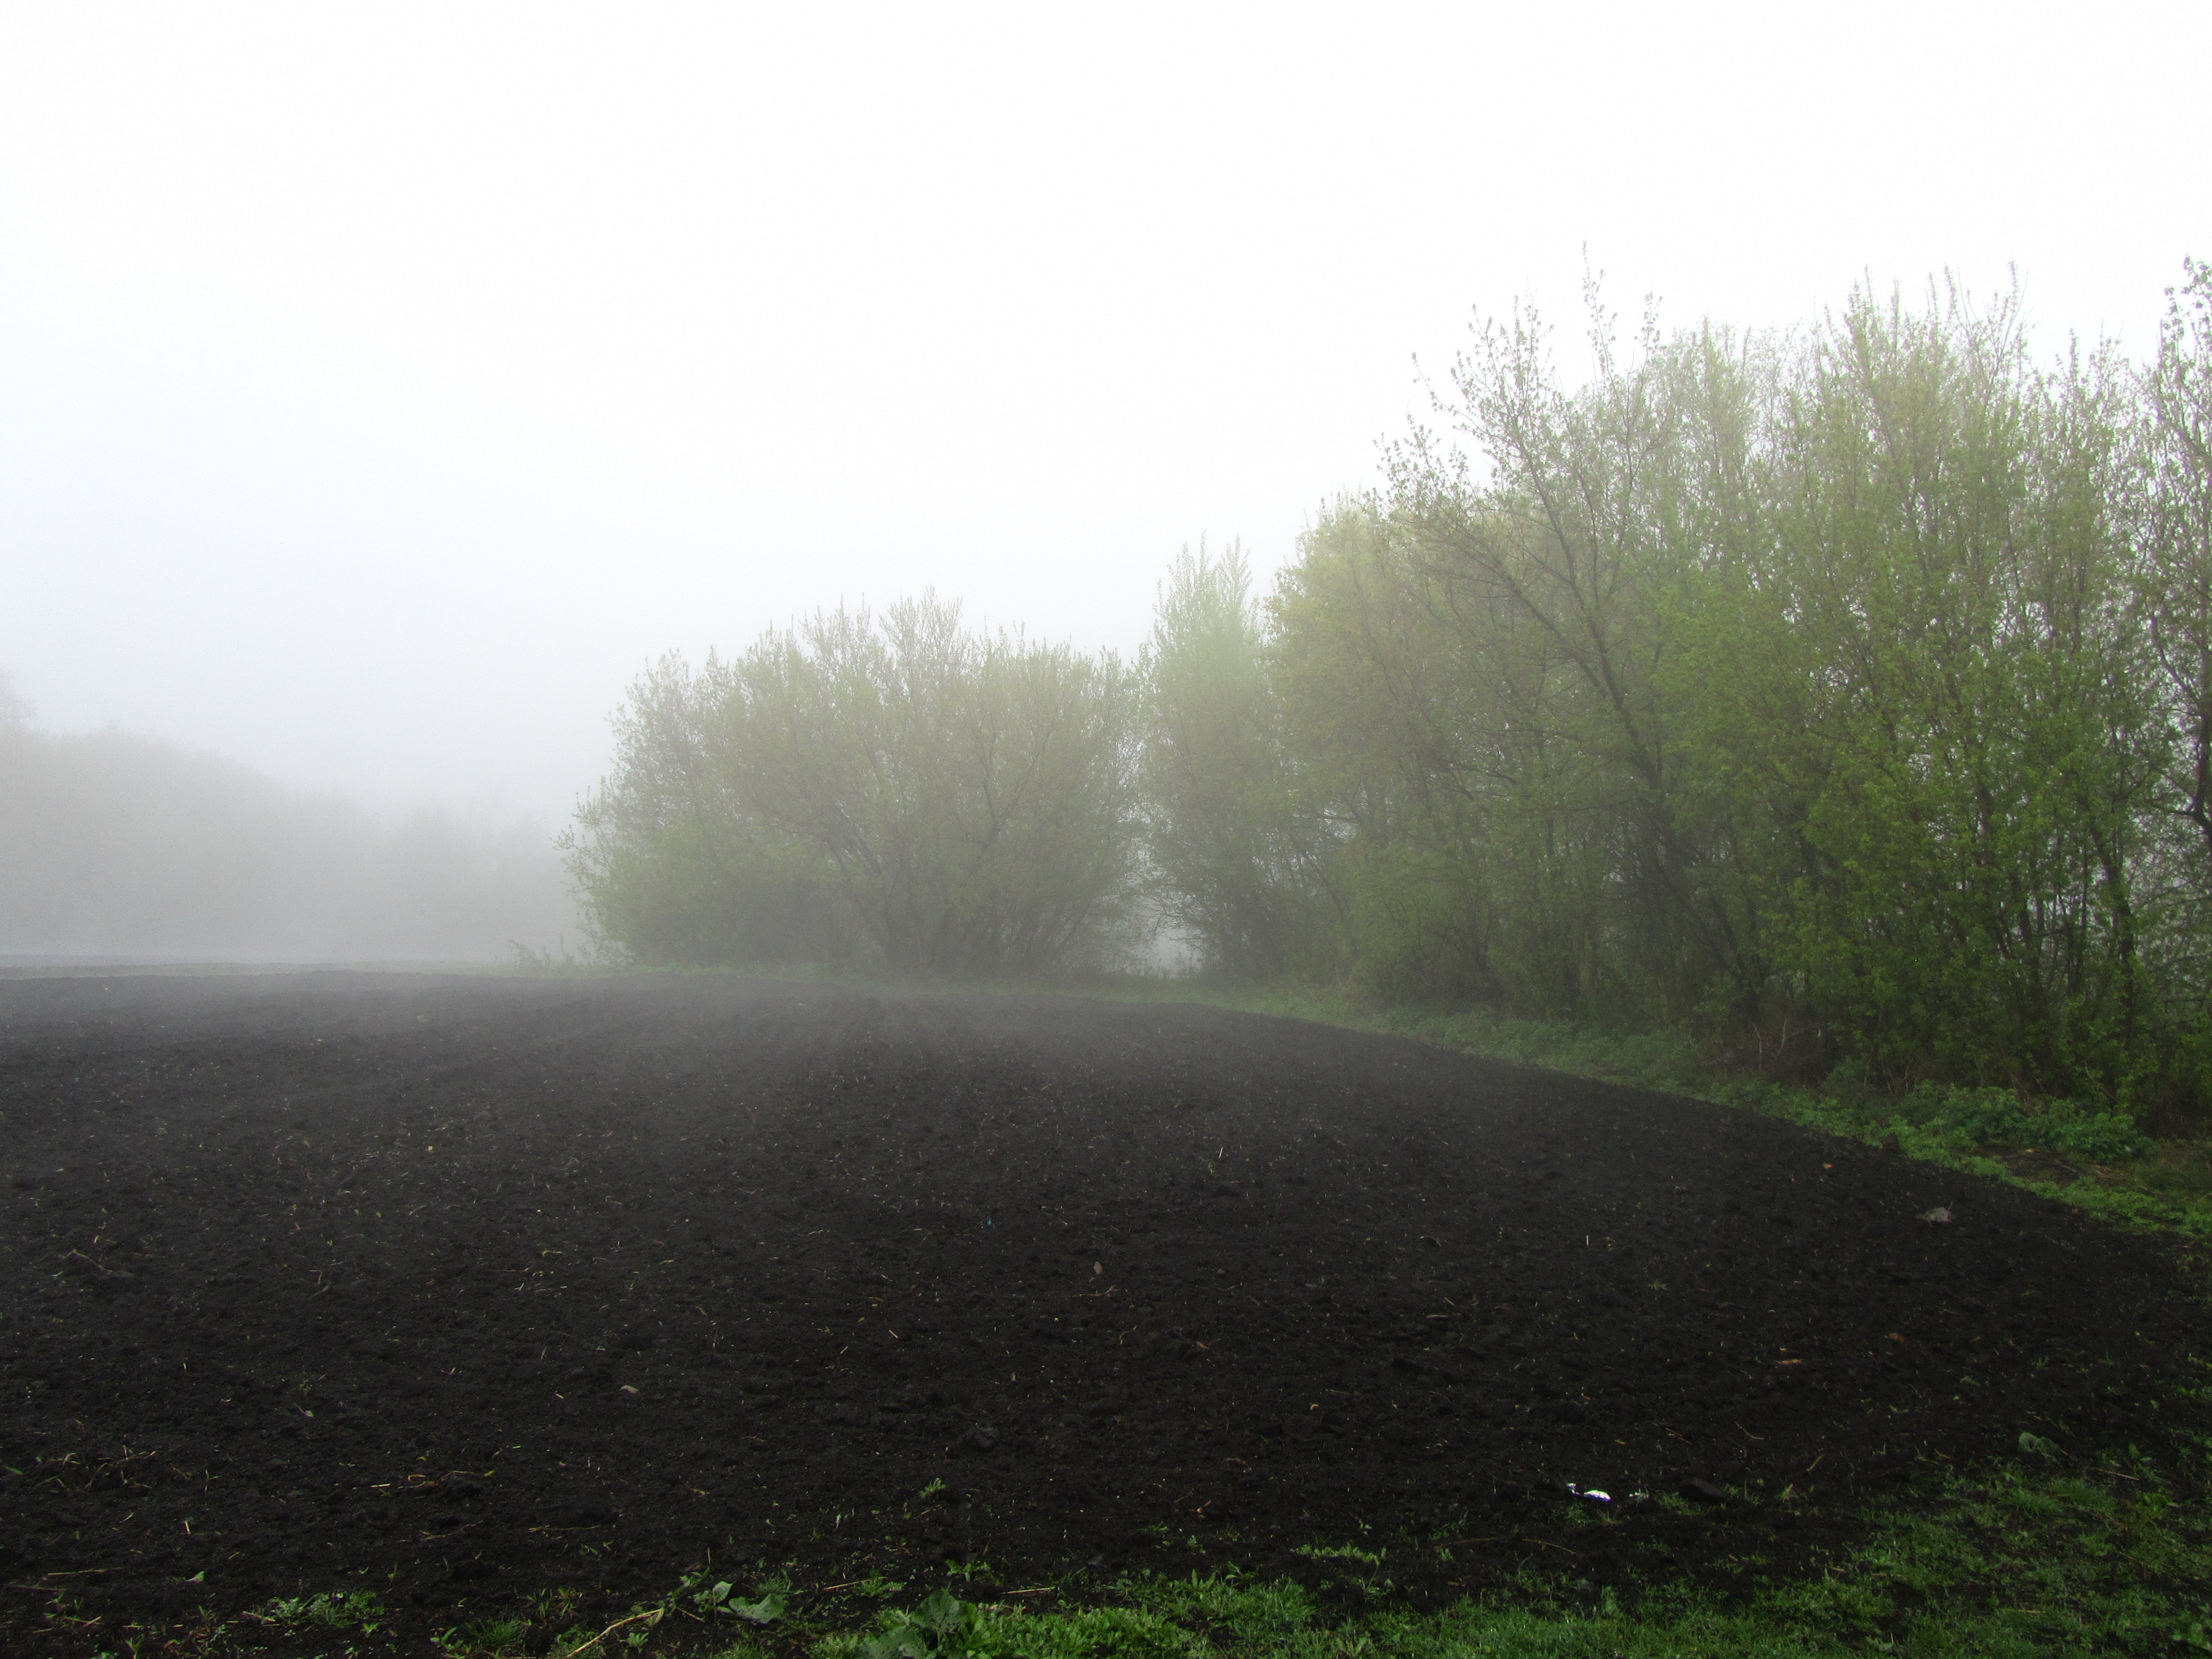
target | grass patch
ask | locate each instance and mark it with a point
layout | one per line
(2041, 1556)
(2044, 1555)
(338, 1610)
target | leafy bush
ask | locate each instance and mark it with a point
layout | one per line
(940, 1628)
(909, 793)
(1986, 1115)
(2105, 1137)
(2185, 1173)
(1980, 1115)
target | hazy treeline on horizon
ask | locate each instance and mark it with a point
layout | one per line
(118, 846)
(1844, 697)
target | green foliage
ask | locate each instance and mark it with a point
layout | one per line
(771, 1597)
(2065, 1550)
(2183, 1171)
(488, 1639)
(1232, 861)
(908, 794)
(942, 1627)
(332, 1609)
(1986, 1116)
(1839, 696)
(1340, 1553)
(2055, 1554)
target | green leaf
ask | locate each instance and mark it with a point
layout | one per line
(944, 1613)
(770, 1606)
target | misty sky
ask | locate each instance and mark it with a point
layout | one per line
(381, 386)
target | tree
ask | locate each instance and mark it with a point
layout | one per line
(1230, 868)
(1789, 690)
(2176, 572)
(910, 792)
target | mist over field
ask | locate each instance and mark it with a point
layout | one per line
(120, 846)
(947, 447)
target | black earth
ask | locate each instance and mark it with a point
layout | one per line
(459, 1289)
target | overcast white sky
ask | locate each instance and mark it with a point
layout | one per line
(381, 386)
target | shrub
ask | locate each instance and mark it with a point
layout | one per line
(1985, 1116)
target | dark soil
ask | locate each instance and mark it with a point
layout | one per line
(457, 1289)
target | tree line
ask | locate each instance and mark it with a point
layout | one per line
(118, 845)
(1845, 695)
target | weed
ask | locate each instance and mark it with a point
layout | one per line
(719, 1601)
(555, 1607)
(2049, 1553)
(482, 1640)
(2180, 1172)
(942, 1627)
(335, 1610)
(1341, 1552)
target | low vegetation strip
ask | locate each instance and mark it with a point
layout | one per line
(485, 1311)
(2099, 1162)
(2098, 1561)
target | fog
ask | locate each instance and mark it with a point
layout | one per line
(383, 388)
(122, 848)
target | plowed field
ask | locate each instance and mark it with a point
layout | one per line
(457, 1289)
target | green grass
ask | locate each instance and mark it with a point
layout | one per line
(2038, 1557)
(340, 1610)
